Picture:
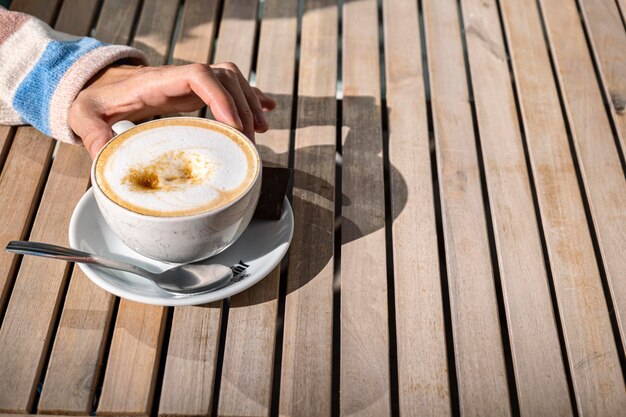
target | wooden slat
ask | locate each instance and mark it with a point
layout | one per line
(246, 381)
(237, 28)
(422, 363)
(539, 372)
(197, 32)
(191, 360)
(600, 166)
(78, 350)
(275, 76)
(116, 20)
(34, 303)
(155, 28)
(190, 365)
(130, 377)
(305, 388)
(76, 357)
(591, 350)
(608, 39)
(479, 357)
(134, 356)
(364, 314)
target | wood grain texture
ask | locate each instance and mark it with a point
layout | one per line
(421, 344)
(34, 304)
(197, 32)
(115, 23)
(128, 387)
(155, 28)
(191, 361)
(608, 42)
(275, 76)
(476, 330)
(364, 314)
(539, 372)
(237, 28)
(246, 381)
(601, 170)
(306, 370)
(21, 183)
(76, 358)
(136, 345)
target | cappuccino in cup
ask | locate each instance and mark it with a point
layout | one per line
(179, 189)
(180, 169)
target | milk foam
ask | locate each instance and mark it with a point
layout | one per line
(173, 170)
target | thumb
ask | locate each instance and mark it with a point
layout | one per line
(87, 124)
(97, 136)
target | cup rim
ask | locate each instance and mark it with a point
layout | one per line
(257, 176)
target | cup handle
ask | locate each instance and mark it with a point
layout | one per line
(122, 126)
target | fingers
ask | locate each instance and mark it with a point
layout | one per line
(231, 82)
(260, 123)
(221, 102)
(267, 102)
(87, 124)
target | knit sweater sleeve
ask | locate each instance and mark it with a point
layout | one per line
(42, 71)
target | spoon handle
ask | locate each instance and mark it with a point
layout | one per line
(47, 250)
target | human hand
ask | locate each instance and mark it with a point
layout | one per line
(135, 93)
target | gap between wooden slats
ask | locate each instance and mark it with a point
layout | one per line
(40, 284)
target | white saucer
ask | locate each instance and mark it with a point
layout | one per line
(255, 253)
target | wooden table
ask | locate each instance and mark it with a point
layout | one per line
(460, 207)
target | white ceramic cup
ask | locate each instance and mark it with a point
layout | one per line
(179, 239)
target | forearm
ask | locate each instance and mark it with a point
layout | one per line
(42, 71)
